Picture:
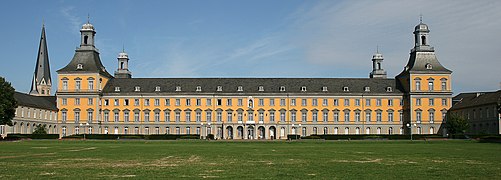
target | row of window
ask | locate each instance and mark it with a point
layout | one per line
(479, 113)
(250, 102)
(25, 112)
(260, 89)
(443, 84)
(78, 83)
(313, 116)
(431, 101)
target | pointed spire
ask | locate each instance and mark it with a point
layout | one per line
(420, 18)
(42, 69)
(88, 18)
(377, 49)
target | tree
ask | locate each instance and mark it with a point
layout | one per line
(8, 104)
(456, 124)
(40, 129)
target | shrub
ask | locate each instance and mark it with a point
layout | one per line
(210, 136)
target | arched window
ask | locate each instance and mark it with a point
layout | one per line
(423, 40)
(85, 39)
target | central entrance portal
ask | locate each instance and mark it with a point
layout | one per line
(250, 132)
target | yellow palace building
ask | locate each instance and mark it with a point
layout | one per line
(90, 100)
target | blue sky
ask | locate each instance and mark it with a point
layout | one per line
(258, 38)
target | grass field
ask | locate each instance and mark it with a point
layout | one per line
(250, 160)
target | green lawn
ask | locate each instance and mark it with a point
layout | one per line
(250, 160)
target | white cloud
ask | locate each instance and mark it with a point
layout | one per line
(74, 21)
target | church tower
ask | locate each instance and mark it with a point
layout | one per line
(41, 84)
(123, 66)
(426, 84)
(377, 69)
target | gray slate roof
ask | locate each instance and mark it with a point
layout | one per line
(89, 59)
(250, 85)
(41, 102)
(418, 60)
(466, 100)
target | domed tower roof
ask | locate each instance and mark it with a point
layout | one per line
(422, 27)
(87, 26)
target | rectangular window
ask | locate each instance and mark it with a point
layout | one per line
(126, 116)
(228, 102)
(187, 116)
(272, 116)
(368, 102)
(261, 102)
(64, 101)
(90, 114)
(304, 116)
(272, 102)
(390, 102)
(240, 117)
(240, 102)
(178, 102)
(418, 117)
(444, 102)
(250, 116)
(136, 116)
(188, 102)
(282, 102)
(336, 116)
(401, 116)
(77, 117)
(261, 117)
(325, 116)
(282, 116)
(116, 102)
(346, 102)
(91, 85)
(106, 116)
(347, 116)
(378, 116)
(157, 116)
(77, 85)
(368, 117)
(146, 102)
(336, 102)
(378, 102)
(293, 102)
(157, 102)
(418, 101)
(198, 116)
(115, 116)
(357, 102)
(178, 116)
(390, 116)
(430, 85)
(357, 116)
(431, 102)
(432, 117)
(208, 116)
(77, 101)
(293, 116)
(65, 85)
(90, 101)
(146, 116)
(167, 116)
(219, 102)
(136, 102)
(444, 85)
(304, 102)
(325, 102)
(219, 116)
(126, 102)
(208, 102)
(167, 102)
(229, 116)
(65, 115)
(198, 102)
(314, 102)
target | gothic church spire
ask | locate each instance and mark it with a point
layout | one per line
(42, 83)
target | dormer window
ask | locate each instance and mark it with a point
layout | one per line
(345, 89)
(219, 88)
(429, 66)
(240, 88)
(157, 89)
(282, 88)
(367, 89)
(389, 89)
(117, 89)
(199, 88)
(137, 89)
(303, 88)
(178, 88)
(79, 66)
(324, 89)
(261, 88)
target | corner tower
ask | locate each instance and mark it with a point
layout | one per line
(80, 84)
(427, 86)
(41, 84)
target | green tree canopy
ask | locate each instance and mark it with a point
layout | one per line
(40, 129)
(8, 104)
(456, 124)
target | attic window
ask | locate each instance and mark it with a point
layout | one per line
(303, 88)
(219, 88)
(117, 89)
(199, 88)
(324, 88)
(137, 88)
(367, 88)
(178, 88)
(261, 88)
(389, 89)
(345, 89)
(240, 88)
(79, 66)
(157, 88)
(282, 88)
(429, 66)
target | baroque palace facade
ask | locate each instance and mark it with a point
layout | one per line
(90, 100)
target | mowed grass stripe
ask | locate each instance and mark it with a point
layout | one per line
(250, 160)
